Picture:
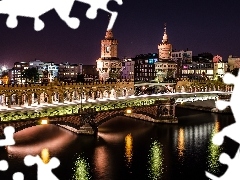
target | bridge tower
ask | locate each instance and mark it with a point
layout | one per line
(165, 67)
(109, 65)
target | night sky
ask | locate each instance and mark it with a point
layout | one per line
(200, 26)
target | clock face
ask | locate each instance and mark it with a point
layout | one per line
(108, 48)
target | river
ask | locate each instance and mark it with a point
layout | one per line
(126, 149)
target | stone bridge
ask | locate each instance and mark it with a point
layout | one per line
(88, 120)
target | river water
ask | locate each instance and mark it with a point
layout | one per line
(126, 149)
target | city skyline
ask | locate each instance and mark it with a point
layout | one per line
(138, 28)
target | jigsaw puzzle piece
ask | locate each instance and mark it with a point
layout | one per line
(231, 131)
(35, 9)
(44, 169)
(3, 165)
(63, 9)
(8, 133)
(101, 4)
(18, 176)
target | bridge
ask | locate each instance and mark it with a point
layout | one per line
(82, 107)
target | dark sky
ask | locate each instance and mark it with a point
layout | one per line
(199, 25)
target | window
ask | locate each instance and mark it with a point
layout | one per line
(108, 49)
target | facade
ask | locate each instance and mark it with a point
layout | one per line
(16, 72)
(197, 70)
(205, 70)
(50, 69)
(68, 72)
(233, 62)
(165, 67)
(47, 70)
(109, 66)
(183, 56)
(144, 68)
(128, 69)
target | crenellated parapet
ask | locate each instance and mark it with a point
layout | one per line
(59, 92)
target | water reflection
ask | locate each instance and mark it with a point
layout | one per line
(45, 155)
(180, 142)
(213, 151)
(129, 149)
(155, 161)
(81, 169)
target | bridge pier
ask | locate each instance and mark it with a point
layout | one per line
(166, 111)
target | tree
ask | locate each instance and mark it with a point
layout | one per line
(31, 74)
(80, 78)
(235, 71)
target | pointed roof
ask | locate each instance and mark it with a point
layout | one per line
(165, 37)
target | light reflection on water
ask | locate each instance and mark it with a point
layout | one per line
(45, 155)
(81, 169)
(155, 161)
(129, 149)
(214, 151)
(126, 149)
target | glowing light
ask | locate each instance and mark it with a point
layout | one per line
(4, 68)
(44, 121)
(155, 161)
(214, 152)
(129, 111)
(181, 142)
(45, 155)
(129, 149)
(81, 169)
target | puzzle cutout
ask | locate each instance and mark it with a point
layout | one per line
(44, 169)
(232, 131)
(36, 8)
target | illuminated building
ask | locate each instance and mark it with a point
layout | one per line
(210, 69)
(16, 72)
(68, 72)
(109, 65)
(47, 70)
(128, 68)
(144, 68)
(165, 67)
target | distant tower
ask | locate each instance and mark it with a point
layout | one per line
(165, 48)
(109, 65)
(165, 67)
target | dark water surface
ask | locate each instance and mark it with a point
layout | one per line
(126, 149)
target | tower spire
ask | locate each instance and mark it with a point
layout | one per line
(165, 37)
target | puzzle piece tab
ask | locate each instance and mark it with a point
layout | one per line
(8, 132)
(232, 131)
(36, 8)
(101, 4)
(44, 171)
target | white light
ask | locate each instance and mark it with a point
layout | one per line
(4, 68)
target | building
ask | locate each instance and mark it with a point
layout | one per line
(68, 72)
(165, 67)
(90, 72)
(144, 68)
(183, 56)
(16, 72)
(233, 62)
(206, 69)
(47, 70)
(109, 66)
(197, 70)
(128, 69)
(203, 57)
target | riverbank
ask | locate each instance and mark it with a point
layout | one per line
(207, 106)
